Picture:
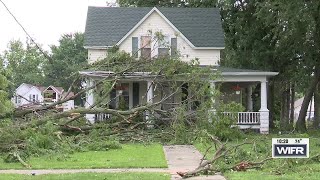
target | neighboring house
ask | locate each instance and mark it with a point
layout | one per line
(27, 95)
(193, 32)
(297, 107)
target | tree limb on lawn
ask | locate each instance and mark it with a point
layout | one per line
(206, 165)
(119, 113)
(17, 156)
(243, 166)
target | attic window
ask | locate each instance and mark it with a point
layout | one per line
(164, 46)
(145, 44)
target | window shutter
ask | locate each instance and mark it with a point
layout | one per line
(30, 98)
(173, 47)
(135, 47)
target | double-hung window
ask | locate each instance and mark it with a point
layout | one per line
(163, 47)
(17, 99)
(145, 46)
(33, 98)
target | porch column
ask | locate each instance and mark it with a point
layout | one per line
(89, 100)
(249, 99)
(264, 112)
(149, 101)
(212, 111)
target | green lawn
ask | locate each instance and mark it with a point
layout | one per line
(303, 172)
(271, 176)
(91, 176)
(287, 168)
(130, 156)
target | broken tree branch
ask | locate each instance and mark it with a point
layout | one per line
(17, 156)
(24, 112)
(206, 165)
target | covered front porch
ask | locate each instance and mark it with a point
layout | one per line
(245, 87)
(249, 88)
(246, 94)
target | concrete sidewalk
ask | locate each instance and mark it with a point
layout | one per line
(64, 171)
(182, 158)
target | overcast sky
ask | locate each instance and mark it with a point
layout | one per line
(45, 20)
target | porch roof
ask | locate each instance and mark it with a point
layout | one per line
(225, 72)
(235, 71)
(111, 73)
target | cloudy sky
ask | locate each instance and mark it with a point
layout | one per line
(44, 20)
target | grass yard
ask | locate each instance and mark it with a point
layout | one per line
(303, 172)
(91, 176)
(277, 169)
(130, 156)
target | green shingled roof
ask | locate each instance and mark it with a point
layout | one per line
(105, 26)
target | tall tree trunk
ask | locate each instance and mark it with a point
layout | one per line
(292, 99)
(316, 121)
(271, 103)
(284, 121)
(301, 122)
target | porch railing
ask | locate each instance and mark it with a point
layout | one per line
(244, 117)
(102, 117)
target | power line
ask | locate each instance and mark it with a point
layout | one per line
(45, 54)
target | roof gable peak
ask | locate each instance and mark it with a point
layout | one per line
(154, 9)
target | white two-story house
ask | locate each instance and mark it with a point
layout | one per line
(28, 96)
(193, 32)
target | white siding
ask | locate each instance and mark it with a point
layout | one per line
(25, 92)
(156, 23)
(96, 54)
(22, 89)
(69, 105)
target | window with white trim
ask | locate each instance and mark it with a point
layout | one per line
(33, 97)
(17, 99)
(145, 46)
(164, 47)
(142, 46)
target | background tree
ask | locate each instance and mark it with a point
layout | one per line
(298, 42)
(68, 58)
(24, 64)
(5, 104)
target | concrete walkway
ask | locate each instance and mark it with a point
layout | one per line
(182, 158)
(64, 171)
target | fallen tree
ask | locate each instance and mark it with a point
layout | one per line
(46, 127)
(222, 150)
